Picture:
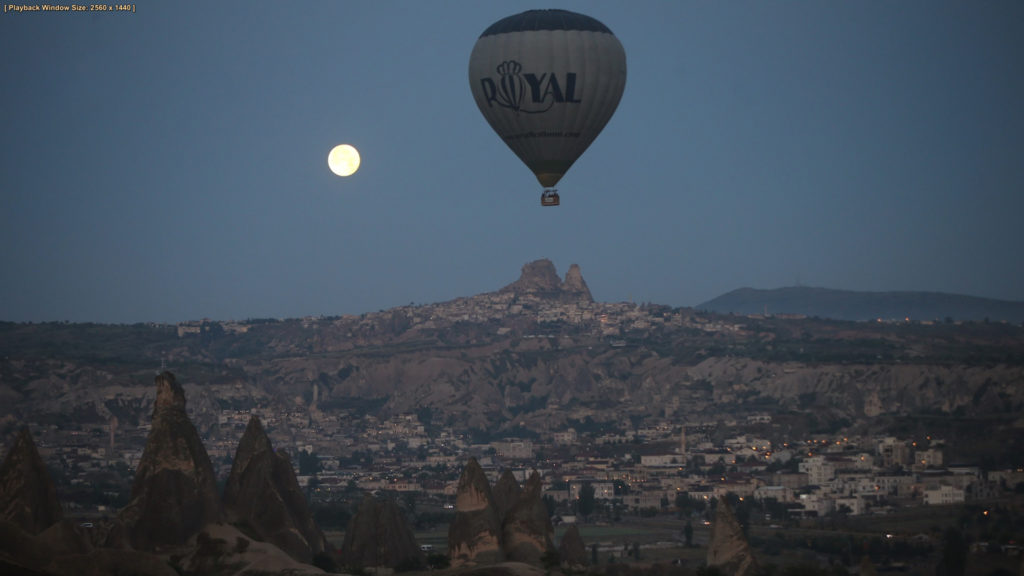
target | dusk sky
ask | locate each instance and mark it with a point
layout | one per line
(170, 164)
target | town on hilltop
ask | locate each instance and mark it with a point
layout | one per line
(624, 411)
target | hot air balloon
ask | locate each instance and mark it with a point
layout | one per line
(547, 81)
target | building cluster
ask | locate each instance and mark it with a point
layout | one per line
(642, 469)
(638, 466)
(501, 308)
(811, 478)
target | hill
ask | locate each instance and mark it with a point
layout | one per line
(538, 356)
(860, 306)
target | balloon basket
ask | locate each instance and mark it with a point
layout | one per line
(549, 198)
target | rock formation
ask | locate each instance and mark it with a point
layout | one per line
(571, 550)
(575, 284)
(539, 279)
(474, 536)
(103, 562)
(66, 537)
(508, 523)
(506, 569)
(28, 497)
(378, 535)
(527, 532)
(728, 548)
(175, 491)
(223, 550)
(506, 492)
(20, 549)
(263, 495)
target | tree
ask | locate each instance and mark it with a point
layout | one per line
(549, 504)
(688, 534)
(437, 561)
(332, 515)
(309, 463)
(621, 489)
(954, 554)
(586, 500)
(409, 499)
(312, 485)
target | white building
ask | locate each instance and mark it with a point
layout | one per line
(515, 449)
(661, 460)
(819, 471)
(893, 452)
(816, 505)
(568, 437)
(602, 490)
(895, 484)
(779, 493)
(931, 458)
(943, 495)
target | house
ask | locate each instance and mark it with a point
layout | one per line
(661, 460)
(777, 493)
(566, 438)
(815, 505)
(942, 495)
(514, 449)
(855, 505)
(931, 458)
(819, 471)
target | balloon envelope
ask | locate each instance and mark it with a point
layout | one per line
(547, 81)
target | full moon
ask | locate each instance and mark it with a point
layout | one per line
(343, 160)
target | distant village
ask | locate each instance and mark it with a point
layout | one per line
(606, 319)
(648, 469)
(660, 465)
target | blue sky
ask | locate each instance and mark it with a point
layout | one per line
(170, 164)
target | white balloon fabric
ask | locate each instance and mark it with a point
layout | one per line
(547, 81)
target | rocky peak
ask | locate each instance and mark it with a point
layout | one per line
(474, 536)
(571, 550)
(575, 284)
(532, 489)
(379, 535)
(175, 490)
(169, 394)
(539, 278)
(506, 493)
(28, 497)
(254, 440)
(474, 490)
(728, 548)
(263, 494)
(527, 528)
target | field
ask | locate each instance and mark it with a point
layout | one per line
(909, 541)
